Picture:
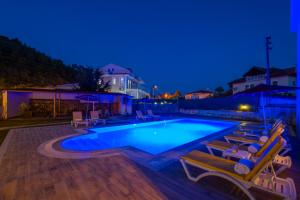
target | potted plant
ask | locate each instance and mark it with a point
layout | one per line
(25, 110)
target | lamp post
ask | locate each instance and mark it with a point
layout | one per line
(154, 87)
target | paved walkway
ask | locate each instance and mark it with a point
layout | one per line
(27, 175)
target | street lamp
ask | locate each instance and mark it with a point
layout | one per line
(154, 87)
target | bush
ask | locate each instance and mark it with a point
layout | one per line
(25, 110)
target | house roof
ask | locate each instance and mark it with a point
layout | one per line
(239, 80)
(200, 91)
(274, 72)
(263, 88)
(63, 91)
(113, 69)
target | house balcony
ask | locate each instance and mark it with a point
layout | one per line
(137, 93)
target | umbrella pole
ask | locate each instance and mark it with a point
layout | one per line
(264, 111)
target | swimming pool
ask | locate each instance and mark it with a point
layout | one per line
(151, 137)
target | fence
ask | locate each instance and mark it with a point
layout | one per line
(221, 103)
(225, 107)
(226, 114)
(158, 106)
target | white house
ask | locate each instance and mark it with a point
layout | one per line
(257, 75)
(122, 80)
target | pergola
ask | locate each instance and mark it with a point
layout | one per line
(295, 27)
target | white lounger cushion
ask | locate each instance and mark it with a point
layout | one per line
(263, 139)
(254, 147)
(244, 166)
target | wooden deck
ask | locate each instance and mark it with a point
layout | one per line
(25, 174)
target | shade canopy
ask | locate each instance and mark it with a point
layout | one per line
(267, 89)
(87, 98)
(262, 91)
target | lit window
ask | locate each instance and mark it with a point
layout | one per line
(275, 83)
(129, 84)
(114, 81)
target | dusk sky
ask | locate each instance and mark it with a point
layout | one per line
(179, 44)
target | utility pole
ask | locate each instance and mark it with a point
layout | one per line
(268, 48)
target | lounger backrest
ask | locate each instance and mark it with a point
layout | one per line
(276, 133)
(77, 116)
(275, 126)
(94, 114)
(150, 112)
(266, 157)
(139, 114)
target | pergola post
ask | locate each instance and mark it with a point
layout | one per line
(54, 105)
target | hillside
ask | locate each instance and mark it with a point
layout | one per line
(22, 66)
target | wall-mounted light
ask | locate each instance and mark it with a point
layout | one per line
(244, 107)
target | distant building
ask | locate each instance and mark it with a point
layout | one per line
(257, 75)
(122, 80)
(167, 95)
(200, 94)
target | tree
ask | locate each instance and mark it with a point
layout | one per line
(23, 67)
(101, 85)
(219, 91)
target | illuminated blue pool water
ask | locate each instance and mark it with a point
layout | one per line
(152, 137)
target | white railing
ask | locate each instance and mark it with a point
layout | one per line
(137, 93)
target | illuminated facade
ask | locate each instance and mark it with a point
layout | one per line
(122, 80)
(257, 75)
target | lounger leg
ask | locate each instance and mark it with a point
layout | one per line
(210, 150)
(227, 140)
(286, 150)
(284, 162)
(206, 174)
(187, 172)
(281, 169)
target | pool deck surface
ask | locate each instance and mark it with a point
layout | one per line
(28, 175)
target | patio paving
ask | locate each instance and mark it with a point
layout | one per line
(26, 174)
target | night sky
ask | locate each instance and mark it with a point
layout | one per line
(179, 44)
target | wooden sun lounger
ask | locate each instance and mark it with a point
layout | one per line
(139, 115)
(150, 113)
(95, 118)
(78, 120)
(262, 176)
(284, 162)
(246, 140)
(250, 135)
(247, 131)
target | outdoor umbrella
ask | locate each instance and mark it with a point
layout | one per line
(262, 91)
(88, 98)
